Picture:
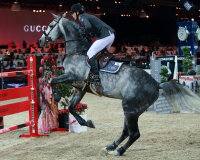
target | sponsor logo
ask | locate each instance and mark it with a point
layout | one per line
(3, 74)
(4, 110)
(166, 59)
(186, 78)
(3, 95)
(34, 28)
(197, 78)
(195, 47)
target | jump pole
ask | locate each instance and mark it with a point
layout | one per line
(30, 105)
(1, 87)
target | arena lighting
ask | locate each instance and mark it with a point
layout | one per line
(60, 8)
(15, 6)
(186, 4)
(142, 14)
(98, 12)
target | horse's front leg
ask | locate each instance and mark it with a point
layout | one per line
(67, 78)
(78, 95)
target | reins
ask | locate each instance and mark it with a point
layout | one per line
(81, 53)
(68, 41)
(71, 40)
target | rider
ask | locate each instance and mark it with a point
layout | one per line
(94, 27)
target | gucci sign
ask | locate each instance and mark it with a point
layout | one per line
(33, 28)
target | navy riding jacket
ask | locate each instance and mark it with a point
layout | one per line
(94, 26)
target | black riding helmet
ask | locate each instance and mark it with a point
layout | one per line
(77, 8)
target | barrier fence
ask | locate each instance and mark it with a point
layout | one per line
(31, 104)
(1, 87)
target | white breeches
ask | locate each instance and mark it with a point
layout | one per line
(100, 44)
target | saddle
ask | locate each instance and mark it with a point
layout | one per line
(105, 56)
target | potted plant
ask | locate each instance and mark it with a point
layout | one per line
(63, 88)
(65, 91)
(64, 114)
(81, 107)
(164, 74)
(192, 72)
(187, 62)
(74, 126)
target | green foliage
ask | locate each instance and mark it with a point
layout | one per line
(63, 88)
(59, 72)
(163, 79)
(164, 74)
(187, 62)
(147, 67)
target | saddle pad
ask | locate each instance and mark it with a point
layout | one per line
(111, 67)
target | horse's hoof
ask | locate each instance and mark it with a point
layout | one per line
(104, 151)
(90, 124)
(114, 153)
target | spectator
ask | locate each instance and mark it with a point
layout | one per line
(143, 52)
(24, 44)
(38, 44)
(18, 64)
(42, 50)
(13, 45)
(132, 57)
(19, 51)
(118, 48)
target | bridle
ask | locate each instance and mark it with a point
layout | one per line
(49, 40)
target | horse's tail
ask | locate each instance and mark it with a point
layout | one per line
(181, 97)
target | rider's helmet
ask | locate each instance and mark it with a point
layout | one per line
(77, 8)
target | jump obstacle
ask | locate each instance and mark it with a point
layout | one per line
(30, 105)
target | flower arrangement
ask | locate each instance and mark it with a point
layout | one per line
(181, 73)
(174, 80)
(80, 107)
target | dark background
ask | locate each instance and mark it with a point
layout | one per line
(160, 26)
(142, 31)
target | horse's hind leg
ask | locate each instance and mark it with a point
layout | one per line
(121, 138)
(131, 121)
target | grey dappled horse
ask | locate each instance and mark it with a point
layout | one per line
(136, 88)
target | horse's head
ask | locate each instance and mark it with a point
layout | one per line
(53, 31)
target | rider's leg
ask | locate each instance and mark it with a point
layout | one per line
(111, 42)
(96, 47)
(95, 71)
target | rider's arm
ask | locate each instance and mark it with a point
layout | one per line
(86, 24)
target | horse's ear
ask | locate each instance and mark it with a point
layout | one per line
(55, 16)
(64, 15)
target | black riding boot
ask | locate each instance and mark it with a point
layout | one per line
(95, 71)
